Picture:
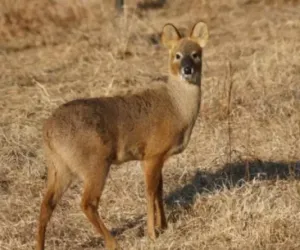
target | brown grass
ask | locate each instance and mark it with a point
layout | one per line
(54, 51)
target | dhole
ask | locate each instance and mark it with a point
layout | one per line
(84, 137)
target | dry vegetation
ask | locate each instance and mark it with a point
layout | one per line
(235, 187)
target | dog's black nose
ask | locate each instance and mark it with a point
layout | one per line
(187, 70)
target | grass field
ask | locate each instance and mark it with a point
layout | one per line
(235, 187)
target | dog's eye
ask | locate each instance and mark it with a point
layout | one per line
(195, 56)
(178, 56)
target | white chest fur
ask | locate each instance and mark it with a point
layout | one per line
(186, 100)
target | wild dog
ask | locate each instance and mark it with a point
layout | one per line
(84, 137)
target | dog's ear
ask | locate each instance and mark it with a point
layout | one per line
(170, 36)
(199, 33)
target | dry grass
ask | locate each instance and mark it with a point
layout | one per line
(235, 187)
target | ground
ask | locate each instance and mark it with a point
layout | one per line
(235, 186)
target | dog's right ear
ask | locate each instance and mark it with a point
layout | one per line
(199, 34)
(170, 36)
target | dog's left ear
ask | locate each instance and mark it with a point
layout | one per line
(199, 33)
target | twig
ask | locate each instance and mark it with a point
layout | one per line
(229, 120)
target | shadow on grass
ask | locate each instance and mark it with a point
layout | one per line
(130, 224)
(231, 175)
(96, 241)
(152, 4)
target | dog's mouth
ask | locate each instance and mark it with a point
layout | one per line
(187, 74)
(187, 77)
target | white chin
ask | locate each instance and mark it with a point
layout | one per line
(186, 77)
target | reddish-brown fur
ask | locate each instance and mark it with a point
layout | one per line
(84, 137)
